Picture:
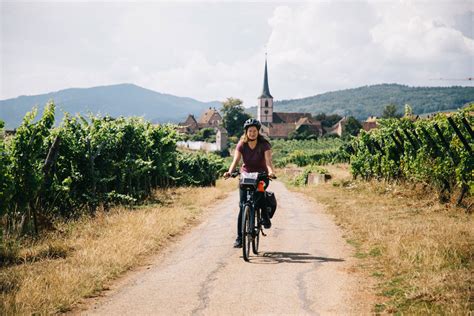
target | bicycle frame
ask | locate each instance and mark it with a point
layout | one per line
(251, 183)
(251, 214)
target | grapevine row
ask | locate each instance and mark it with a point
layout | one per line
(436, 152)
(48, 172)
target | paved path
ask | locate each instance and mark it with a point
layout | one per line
(303, 268)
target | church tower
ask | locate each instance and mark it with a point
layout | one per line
(265, 101)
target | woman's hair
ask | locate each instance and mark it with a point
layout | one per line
(260, 138)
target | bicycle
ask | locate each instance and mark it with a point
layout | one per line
(252, 210)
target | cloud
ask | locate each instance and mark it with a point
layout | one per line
(335, 45)
(211, 51)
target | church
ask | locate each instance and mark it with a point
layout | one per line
(280, 124)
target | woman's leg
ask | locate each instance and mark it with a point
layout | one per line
(243, 197)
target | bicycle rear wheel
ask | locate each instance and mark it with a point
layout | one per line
(246, 233)
(256, 231)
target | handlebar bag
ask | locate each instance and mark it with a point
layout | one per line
(248, 179)
(271, 202)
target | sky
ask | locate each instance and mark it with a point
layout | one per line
(216, 49)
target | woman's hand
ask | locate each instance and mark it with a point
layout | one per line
(271, 175)
(226, 174)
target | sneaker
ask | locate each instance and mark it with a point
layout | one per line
(266, 223)
(238, 243)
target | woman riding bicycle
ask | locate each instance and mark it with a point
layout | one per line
(256, 153)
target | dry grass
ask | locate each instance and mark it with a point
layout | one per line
(420, 251)
(82, 257)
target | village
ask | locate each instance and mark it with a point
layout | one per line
(275, 125)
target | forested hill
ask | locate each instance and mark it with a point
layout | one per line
(114, 100)
(371, 100)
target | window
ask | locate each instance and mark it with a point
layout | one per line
(266, 111)
(266, 103)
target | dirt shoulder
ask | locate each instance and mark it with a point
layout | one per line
(417, 251)
(83, 258)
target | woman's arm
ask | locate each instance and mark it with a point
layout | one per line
(268, 160)
(237, 156)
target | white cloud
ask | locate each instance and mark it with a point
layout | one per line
(211, 51)
(333, 45)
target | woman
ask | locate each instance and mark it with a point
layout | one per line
(256, 153)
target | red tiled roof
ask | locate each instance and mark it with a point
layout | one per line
(282, 117)
(280, 129)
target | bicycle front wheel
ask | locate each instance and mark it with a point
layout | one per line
(256, 231)
(246, 233)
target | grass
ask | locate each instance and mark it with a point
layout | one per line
(80, 258)
(419, 252)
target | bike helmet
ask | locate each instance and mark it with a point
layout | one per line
(252, 122)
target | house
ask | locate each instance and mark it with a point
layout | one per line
(337, 128)
(210, 118)
(189, 126)
(279, 124)
(370, 123)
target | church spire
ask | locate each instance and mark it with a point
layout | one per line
(266, 89)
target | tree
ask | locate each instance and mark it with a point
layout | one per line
(328, 120)
(351, 127)
(234, 116)
(207, 134)
(390, 111)
(408, 110)
(301, 133)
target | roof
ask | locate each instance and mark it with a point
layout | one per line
(205, 118)
(341, 121)
(266, 89)
(313, 128)
(280, 130)
(281, 117)
(190, 121)
(308, 121)
(367, 126)
(221, 129)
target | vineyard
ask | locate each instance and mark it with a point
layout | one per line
(306, 152)
(87, 163)
(435, 152)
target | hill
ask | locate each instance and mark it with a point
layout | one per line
(371, 100)
(114, 100)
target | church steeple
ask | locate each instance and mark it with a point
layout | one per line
(266, 89)
(265, 106)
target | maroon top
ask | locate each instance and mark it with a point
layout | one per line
(254, 159)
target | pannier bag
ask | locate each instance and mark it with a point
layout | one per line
(271, 203)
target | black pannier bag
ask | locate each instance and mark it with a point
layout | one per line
(271, 203)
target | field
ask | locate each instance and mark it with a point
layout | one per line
(418, 252)
(304, 152)
(83, 202)
(80, 258)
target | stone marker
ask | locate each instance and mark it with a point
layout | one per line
(316, 178)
